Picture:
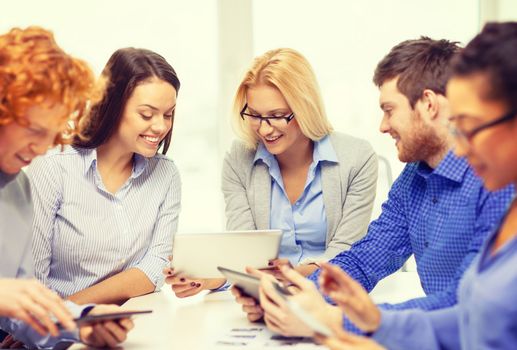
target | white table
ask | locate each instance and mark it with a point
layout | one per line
(201, 321)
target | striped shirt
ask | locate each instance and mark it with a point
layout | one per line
(441, 215)
(83, 234)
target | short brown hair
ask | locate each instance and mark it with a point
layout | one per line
(34, 69)
(418, 64)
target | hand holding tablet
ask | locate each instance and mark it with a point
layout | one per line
(248, 284)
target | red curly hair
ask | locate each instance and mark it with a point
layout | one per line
(34, 70)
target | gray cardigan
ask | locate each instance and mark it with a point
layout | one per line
(348, 191)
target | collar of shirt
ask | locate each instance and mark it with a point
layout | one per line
(323, 151)
(6, 178)
(451, 167)
(90, 160)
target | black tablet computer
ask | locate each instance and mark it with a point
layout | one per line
(247, 283)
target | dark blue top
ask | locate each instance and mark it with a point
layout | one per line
(485, 317)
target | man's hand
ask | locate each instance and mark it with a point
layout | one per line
(278, 316)
(351, 297)
(33, 303)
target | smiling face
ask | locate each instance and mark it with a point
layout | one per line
(267, 100)
(415, 140)
(147, 118)
(492, 152)
(19, 144)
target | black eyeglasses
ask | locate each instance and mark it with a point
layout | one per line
(256, 120)
(468, 135)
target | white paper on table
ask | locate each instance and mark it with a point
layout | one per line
(259, 337)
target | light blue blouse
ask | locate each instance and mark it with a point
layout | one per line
(83, 234)
(304, 224)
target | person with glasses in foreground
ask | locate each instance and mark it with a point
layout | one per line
(483, 97)
(290, 170)
(44, 95)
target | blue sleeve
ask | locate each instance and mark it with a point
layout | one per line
(24, 333)
(500, 327)
(491, 207)
(418, 329)
(375, 257)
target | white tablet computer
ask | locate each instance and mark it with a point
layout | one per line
(199, 254)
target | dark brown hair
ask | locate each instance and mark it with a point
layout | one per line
(418, 64)
(125, 69)
(493, 52)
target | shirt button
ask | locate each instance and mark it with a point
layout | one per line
(426, 244)
(434, 200)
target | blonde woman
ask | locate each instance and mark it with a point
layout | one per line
(290, 171)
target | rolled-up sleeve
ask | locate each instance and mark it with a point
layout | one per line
(156, 257)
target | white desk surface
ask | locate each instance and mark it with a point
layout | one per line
(201, 321)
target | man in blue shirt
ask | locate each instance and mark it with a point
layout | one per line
(437, 209)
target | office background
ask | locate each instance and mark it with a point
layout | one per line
(211, 42)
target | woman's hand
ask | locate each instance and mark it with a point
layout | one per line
(250, 305)
(105, 333)
(33, 303)
(306, 269)
(273, 268)
(279, 318)
(275, 265)
(351, 297)
(184, 286)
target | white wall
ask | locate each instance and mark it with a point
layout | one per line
(343, 40)
(185, 33)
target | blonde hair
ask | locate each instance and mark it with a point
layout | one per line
(289, 72)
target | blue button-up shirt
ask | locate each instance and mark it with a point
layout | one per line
(84, 234)
(442, 216)
(304, 224)
(485, 317)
